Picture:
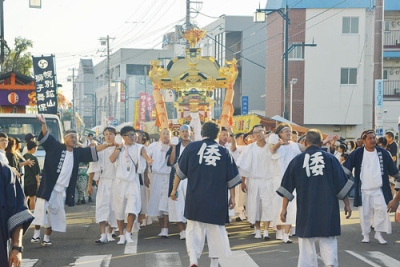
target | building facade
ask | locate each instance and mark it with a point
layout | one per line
(335, 79)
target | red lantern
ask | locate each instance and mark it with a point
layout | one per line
(13, 98)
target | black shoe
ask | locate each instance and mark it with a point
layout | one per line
(90, 199)
(78, 203)
(83, 201)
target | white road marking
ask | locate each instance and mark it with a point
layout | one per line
(171, 259)
(364, 259)
(385, 259)
(132, 248)
(238, 259)
(29, 262)
(93, 261)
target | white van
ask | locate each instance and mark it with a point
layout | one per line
(19, 124)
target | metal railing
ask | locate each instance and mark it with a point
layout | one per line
(392, 38)
(391, 90)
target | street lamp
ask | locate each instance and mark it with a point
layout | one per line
(293, 81)
(260, 16)
(35, 3)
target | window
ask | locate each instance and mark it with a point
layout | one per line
(297, 52)
(350, 25)
(385, 74)
(348, 76)
(386, 26)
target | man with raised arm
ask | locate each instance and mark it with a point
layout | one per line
(60, 173)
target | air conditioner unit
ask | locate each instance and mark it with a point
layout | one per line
(391, 72)
(397, 71)
(397, 91)
(394, 24)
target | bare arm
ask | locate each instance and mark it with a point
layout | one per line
(172, 157)
(146, 156)
(42, 120)
(285, 203)
(233, 140)
(394, 203)
(114, 155)
(15, 255)
(232, 198)
(177, 180)
(347, 208)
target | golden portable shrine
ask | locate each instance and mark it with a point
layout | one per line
(194, 79)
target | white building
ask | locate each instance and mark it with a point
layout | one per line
(335, 80)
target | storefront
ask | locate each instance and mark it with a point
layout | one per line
(17, 91)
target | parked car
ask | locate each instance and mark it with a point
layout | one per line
(18, 125)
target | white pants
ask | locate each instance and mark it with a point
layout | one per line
(374, 207)
(259, 200)
(51, 213)
(217, 239)
(308, 254)
(176, 208)
(104, 211)
(126, 198)
(158, 203)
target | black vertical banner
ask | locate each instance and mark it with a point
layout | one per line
(45, 83)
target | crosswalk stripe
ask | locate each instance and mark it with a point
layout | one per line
(132, 248)
(171, 259)
(364, 259)
(29, 262)
(238, 259)
(93, 261)
(385, 259)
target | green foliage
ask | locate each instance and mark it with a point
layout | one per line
(18, 59)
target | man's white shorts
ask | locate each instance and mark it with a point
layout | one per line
(51, 213)
(126, 198)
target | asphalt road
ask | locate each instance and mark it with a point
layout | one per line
(76, 247)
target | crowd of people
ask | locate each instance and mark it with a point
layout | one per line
(195, 185)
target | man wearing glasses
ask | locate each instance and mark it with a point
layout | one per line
(126, 187)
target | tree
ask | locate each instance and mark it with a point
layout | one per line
(18, 59)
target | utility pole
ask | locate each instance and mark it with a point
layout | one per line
(378, 44)
(145, 79)
(73, 98)
(106, 41)
(187, 22)
(2, 40)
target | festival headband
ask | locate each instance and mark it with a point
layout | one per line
(367, 132)
(68, 133)
(284, 129)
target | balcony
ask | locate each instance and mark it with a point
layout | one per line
(391, 90)
(391, 39)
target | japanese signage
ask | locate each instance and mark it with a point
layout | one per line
(150, 103)
(142, 106)
(136, 122)
(122, 92)
(45, 83)
(245, 105)
(379, 108)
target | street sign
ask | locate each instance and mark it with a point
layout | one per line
(245, 105)
(115, 122)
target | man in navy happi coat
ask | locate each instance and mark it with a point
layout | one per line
(60, 173)
(15, 217)
(210, 171)
(319, 181)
